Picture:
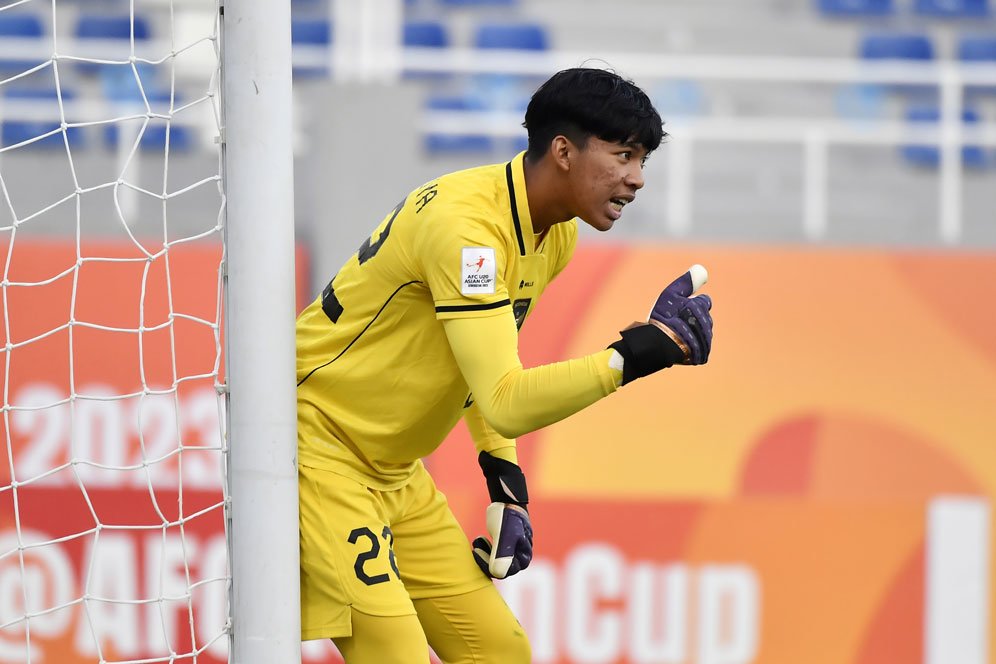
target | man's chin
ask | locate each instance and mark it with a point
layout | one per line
(602, 224)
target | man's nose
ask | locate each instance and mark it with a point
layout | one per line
(634, 177)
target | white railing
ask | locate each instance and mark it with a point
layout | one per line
(815, 134)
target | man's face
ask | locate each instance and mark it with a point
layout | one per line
(604, 178)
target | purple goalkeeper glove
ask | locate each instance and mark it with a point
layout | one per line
(678, 331)
(686, 316)
(510, 548)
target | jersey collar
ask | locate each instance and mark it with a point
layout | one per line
(515, 176)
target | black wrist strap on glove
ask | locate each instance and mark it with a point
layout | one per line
(646, 349)
(506, 483)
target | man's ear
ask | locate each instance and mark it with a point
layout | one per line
(562, 151)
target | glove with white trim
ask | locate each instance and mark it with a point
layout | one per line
(510, 547)
(678, 330)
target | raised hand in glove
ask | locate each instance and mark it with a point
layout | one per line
(678, 331)
(686, 316)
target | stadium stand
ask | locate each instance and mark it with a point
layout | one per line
(314, 35)
(896, 46)
(514, 36)
(929, 156)
(118, 27)
(856, 8)
(952, 8)
(20, 25)
(435, 143)
(18, 130)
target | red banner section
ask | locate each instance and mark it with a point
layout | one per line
(112, 541)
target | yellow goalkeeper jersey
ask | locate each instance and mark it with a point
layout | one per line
(378, 385)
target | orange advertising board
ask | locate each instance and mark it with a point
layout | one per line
(819, 492)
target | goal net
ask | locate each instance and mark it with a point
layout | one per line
(112, 500)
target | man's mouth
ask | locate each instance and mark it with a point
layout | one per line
(619, 203)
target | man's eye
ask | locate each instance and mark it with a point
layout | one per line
(626, 155)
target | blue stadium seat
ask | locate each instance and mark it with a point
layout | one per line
(977, 48)
(952, 8)
(17, 131)
(929, 156)
(897, 46)
(312, 32)
(317, 32)
(504, 91)
(517, 36)
(154, 138)
(102, 26)
(478, 3)
(856, 7)
(456, 143)
(427, 34)
(22, 26)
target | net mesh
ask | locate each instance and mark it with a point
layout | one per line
(112, 522)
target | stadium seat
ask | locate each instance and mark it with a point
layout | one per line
(897, 46)
(478, 3)
(929, 156)
(17, 131)
(505, 91)
(313, 34)
(154, 138)
(517, 36)
(952, 8)
(317, 32)
(437, 144)
(20, 26)
(977, 48)
(427, 34)
(858, 8)
(99, 26)
(108, 27)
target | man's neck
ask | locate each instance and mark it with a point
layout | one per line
(544, 191)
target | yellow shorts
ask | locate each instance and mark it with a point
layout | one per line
(376, 550)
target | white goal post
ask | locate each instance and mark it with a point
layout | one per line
(258, 164)
(148, 480)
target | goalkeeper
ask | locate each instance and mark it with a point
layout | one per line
(418, 329)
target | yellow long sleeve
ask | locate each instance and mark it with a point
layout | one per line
(514, 400)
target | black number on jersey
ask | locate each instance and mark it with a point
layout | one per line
(372, 554)
(369, 248)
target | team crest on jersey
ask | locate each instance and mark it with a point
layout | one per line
(477, 274)
(519, 309)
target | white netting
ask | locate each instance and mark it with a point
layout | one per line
(112, 528)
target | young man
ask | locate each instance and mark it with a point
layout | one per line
(418, 329)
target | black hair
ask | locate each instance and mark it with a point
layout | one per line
(583, 102)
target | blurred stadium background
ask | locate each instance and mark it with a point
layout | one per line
(825, 495)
